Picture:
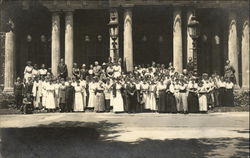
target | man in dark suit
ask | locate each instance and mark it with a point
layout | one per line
(18, 91)
(62, 70)
(69, 97)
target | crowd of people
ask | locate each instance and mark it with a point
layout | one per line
(107, 87)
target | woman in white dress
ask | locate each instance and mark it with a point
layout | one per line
(35, 92)
(78, 104)
(118, 105)
(83, 84)
(92, 95)
(44, 92)
(50, 101)
(35, 71)
(57, 85)
(152, 96)
(28, 71)
(145, 94)
(202, 90)
(117, 70)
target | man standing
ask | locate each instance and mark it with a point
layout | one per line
(190, 65)
(62, 69)
(230, 72)
(69, 96)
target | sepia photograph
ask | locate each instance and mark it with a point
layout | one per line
(124, 79)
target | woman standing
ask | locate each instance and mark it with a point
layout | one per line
(193, 103)
(78, 104)
(107, 94)
(118, 105)
(222, 91)
(138, 96)
(144, 91)
(170, 101)
(100, 104)
(229, 95)
(202, 90)
(161, 91)
(177, 95)
(61, 96)
(83, 84)
(35, 92)
(28, 71)
(183, 96)
(152, 96)
(92, 93)
(50, 101)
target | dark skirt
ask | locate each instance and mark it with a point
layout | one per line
(132, 101)
(221, 96)
(193, 102)
(139, 107)
(170, 103)
(162, 101)
(229, 97)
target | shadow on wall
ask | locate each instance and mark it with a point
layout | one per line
(95, 140)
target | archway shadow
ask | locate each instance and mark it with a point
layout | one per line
(75, 139)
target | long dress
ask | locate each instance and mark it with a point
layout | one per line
(229, 96)
(202, 99)
(35, 93)
(100, 102)
(170, 99)
(78, 104)
(50, 101)
(92, 95)
(152, 97)
(145, 95)
(222, 92)
(44, 93)
(161, 90)
(118, 105)
(131, 97)
(138, 97)
(83, 84)
(193, 103)
(178, 98)
(57, 95)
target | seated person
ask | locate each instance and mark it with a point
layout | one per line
(28, 106)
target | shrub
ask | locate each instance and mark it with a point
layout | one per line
(241, 97)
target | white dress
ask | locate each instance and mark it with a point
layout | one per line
(50, 101)
(57, 94)
(28, 72)
(36, 94)
(117, 101)
(151, 104)
(92, 96)
(44, 93)
(78, 104)
(145, 96)
(202, 98)
(84, 93)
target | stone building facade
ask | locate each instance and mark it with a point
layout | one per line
(149, 30)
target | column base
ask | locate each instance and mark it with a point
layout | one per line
(245, 88)
(8, 90)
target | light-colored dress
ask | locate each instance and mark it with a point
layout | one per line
(92, 95)
(83, 84)
(44, 93)
(35, 93)
(117, 101)
(145, 95)
(28, 72)
(57, 94)
(117, 71)
(50, 101)
(151, 104)
(78, 104)
(202, 98)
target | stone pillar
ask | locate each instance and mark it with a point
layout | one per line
(9, 63)
(55, 45)
(128, 40)
(189, 39)
(114, 51)
(177, 41)
(69, 45)
(233, 44)
(245, 55)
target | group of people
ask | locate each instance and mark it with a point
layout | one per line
(106, 87)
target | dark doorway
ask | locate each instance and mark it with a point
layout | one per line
(152, 33)
(91, 36)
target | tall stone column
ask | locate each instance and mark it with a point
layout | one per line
(189, 39)
(114, 49)
(233, 44)
(128, 40)
(245, 55)
(177, 41)
(55, 45)
(9, 63)
(69, 45)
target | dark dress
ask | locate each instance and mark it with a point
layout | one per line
(229, 95)
(193, 102)
(18, 91)
(162, 101)
(221, 96)
(131, 98)
(69, 98)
